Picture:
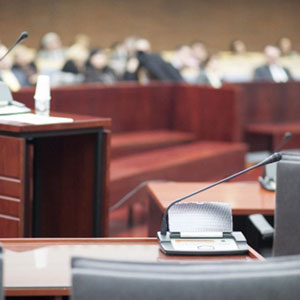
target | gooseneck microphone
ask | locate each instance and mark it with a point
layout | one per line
(283, 141)
(23, 36)
(271, 159)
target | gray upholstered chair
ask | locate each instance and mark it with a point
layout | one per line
(287, 213)
(276, 279)
(1, 274)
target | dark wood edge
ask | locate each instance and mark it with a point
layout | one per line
(106, 151)
(23, 292)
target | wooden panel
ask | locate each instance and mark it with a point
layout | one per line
(11, 149)
(130, 105)
(66, 185)
(9, 206)
(167, 23)
(12, 168)
(212, 114)
(193, 162)
(11, 187)
(10, 226)
(140, 141)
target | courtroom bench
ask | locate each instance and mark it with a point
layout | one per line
(267, 136)
(127, 143)
(198, 161)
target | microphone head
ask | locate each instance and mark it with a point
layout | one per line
(287, 136)
(271, 159)
(23, 36)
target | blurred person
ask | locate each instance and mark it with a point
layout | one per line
(97, 69)
(211, 74)
(238, 47)
(82, 40)
(6, 73)
(24, 67)
(285, 46)
(118, 58)
(184, 61)
(146, 66)
(51, 55)
(130, 46)
(199, 51)
(76, 56)
(272, 70)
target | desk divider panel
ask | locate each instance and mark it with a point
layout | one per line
(12, 168)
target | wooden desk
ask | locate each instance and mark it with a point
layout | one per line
(41, 267)
(267, 136)
(245, 198)
(53, 178)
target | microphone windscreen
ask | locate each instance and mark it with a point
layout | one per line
(24, 35)
(287, 135)
(271, 159)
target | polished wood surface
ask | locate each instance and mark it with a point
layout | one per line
(140, 141)
(244, 197)
(41, 267)
(194, 161)
(79, 121)
(51, 176)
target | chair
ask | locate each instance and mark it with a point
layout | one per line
(286, 240)
(287, 216)
(1, 274)
(276, 279)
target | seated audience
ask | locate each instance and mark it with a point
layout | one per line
(238, 47)
(97, 69)
(51, 55)
(118, 58)
(272, 70)
(211, 74)
(146, 66)
(24, 67)
(186, 63)
(199, 51)
(76, 56)
(285, 46)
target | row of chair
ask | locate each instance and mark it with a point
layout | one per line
(275, 279)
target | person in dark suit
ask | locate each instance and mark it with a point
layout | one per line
(272, 70)
(146, 66)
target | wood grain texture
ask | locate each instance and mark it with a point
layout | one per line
(23, 277)
(194, 162)
(12, 186)
(167, 23)
(141, 141)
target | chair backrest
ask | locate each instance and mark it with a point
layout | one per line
(1, 274)
(276, 279)
(287, 213)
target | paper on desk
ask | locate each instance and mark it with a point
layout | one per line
(35, 119)
(200, 217)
